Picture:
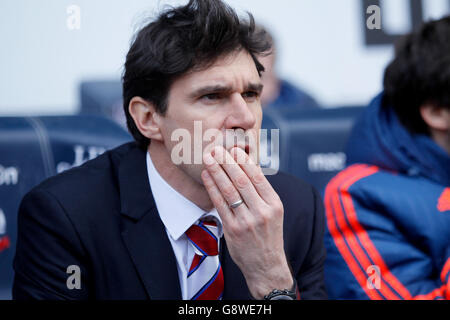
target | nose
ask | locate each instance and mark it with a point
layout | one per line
(241, 116)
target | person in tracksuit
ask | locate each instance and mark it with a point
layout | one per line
(388, 212)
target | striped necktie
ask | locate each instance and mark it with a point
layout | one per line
(205, 276)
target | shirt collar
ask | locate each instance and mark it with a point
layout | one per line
(177, 213)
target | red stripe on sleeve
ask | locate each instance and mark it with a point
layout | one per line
(330, 201)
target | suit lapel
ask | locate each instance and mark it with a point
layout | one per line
(144, 233)
(235, 287)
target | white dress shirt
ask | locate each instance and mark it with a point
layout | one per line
(178, 214)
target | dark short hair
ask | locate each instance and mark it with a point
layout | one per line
(179, 40)
(420, 74)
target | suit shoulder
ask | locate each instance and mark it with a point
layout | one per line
(290, 184)
(95, 178)
(295, 192)
(87, 172)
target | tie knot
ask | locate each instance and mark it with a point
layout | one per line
(204, 237)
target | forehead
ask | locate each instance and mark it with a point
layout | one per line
(236, 70)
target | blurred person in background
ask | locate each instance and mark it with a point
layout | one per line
(388, 213)
(280, 92)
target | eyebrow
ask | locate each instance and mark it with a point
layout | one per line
(258, 87)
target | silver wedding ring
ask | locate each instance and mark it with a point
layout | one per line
(236, 204)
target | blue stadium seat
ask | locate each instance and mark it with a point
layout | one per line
(103, 98)
(312, 142)
(35, 148)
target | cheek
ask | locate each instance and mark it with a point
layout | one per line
(174, 133)
(167, 128)
(176, 118)
(213, 121)
(258, 115)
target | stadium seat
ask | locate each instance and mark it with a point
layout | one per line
(35, 148)
(312, 142)
(103, 98)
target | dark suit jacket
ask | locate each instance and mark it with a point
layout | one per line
(102, 217)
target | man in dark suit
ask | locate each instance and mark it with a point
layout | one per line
(163, 219)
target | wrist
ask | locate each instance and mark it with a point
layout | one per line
(261, 286)
(285, 294)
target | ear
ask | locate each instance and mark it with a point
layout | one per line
(436, 118)
(146, 118)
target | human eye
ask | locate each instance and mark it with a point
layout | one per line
(211, 97)
(250, 95)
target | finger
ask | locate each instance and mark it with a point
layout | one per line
(217, 199)
(223, 183)
(256, 176)
(239, 178)
(231, 222)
